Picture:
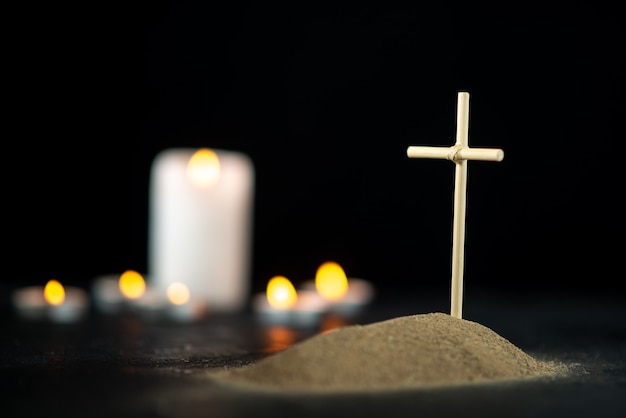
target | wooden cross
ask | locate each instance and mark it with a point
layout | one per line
(459, 154)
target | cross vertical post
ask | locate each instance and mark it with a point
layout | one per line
(460, 196)
(459, 153)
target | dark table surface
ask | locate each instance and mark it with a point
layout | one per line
(129, 365)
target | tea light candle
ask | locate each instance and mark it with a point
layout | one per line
(282, 304)
(30, 303)
(71, 308)
(106, 294)
(54, 302)
(116, 292)
(345, 295)
(152, 304)
(358, 295)
(183, 306)
(309, 308)
(275, 304)
(200, 229)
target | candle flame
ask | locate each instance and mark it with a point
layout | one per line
(132, 285)
(280, 293)
(203, 169)
(54, 292)
(178, 293)
(331, 281)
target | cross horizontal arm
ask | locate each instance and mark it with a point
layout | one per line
(456, 153)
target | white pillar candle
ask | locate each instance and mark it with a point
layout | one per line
(201, 224)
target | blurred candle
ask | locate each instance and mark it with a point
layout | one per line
(200, 229)
(106, 294)
(184, 307)
(147, 301)
(274, 305)
(152, 304)
(309, 309)
(29, 302)
(345, 295)
(54, 302)
(116, 292)
(282, 304)
(66, 305)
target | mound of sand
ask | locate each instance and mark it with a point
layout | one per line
(406, 352)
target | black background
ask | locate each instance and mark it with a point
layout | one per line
(325, 99)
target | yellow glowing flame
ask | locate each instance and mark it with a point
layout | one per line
(203, 168)
(54, 292)
(331, 281)
(178, 293)
(132, 285)
(280, 293)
